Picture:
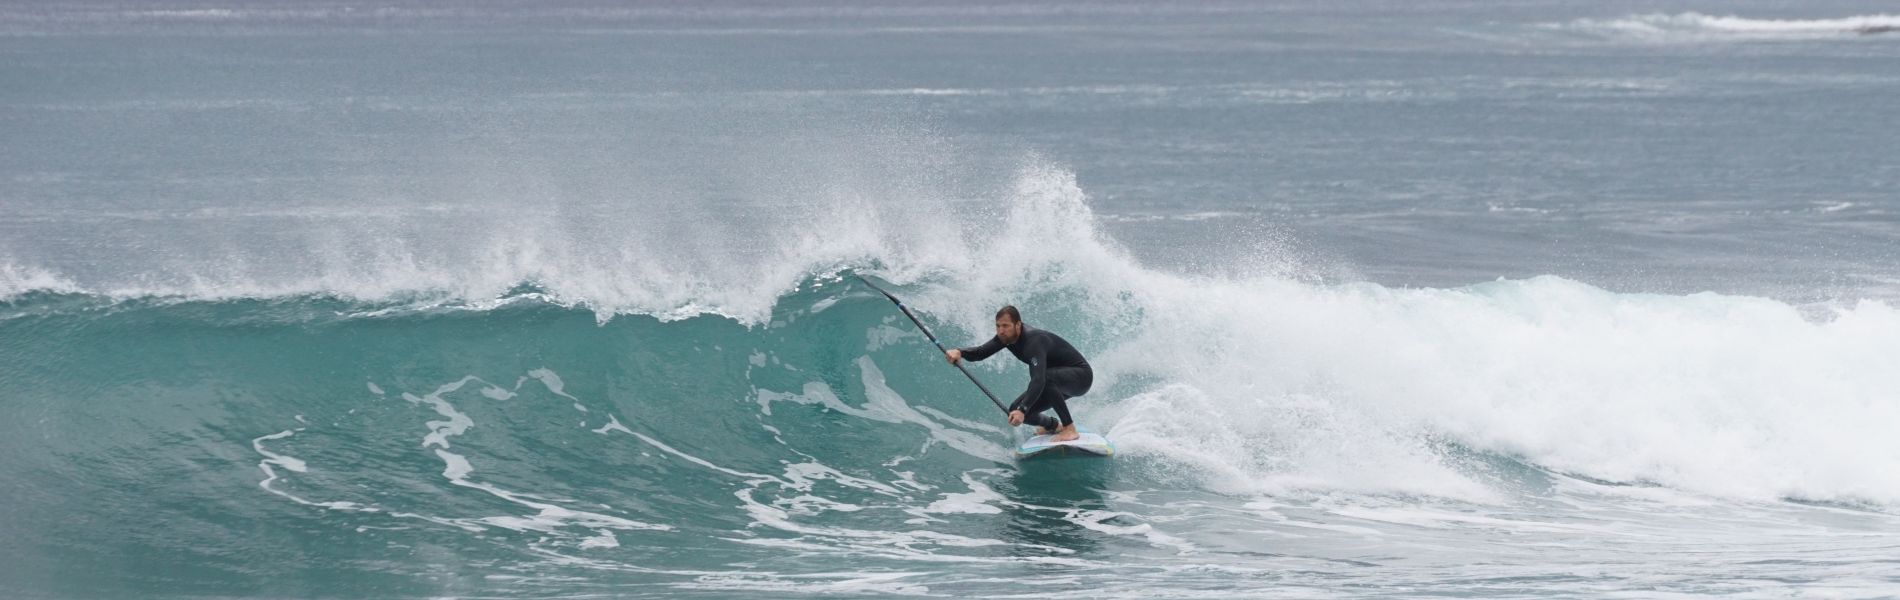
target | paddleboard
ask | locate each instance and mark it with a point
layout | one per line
(1091, 444)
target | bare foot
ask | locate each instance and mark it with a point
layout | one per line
(1066, 433)
(1043, 431)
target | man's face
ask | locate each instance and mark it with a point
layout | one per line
(1008, 330)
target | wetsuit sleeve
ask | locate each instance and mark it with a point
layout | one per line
(1038, 358)
(983, 351)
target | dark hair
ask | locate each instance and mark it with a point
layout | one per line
(1011, 311)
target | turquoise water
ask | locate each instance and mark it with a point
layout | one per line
(428, 300)
(318, 447)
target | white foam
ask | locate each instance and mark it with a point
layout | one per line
(979, 500)
(1349, 386)
(272, 458)
(697, 460)
(454, 466)
(886, 583)
(859, 194)
(885, 405)
(1097, 520)
(799, 476)
(1263, 381)
(1698, 27)
(613, 424)
(16, 280)
(457, 423)
(884, 335)
(549, 518)
(794, 497)
(605, 539)
(548, 378)
(295, 465)
(808, 504)
(1268, 384)
(817, 393)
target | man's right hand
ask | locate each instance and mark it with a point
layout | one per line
(953, 355)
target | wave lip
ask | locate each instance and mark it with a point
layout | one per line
(1692, 26)
(16, 281)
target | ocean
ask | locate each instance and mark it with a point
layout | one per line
(431, 299)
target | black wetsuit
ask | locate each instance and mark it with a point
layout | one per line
(1056, 373)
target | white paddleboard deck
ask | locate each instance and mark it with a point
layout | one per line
(1045, 446)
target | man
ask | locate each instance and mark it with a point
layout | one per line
(1056, 372)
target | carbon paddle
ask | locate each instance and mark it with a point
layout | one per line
(933, 340)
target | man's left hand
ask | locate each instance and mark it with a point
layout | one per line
(1015, 418)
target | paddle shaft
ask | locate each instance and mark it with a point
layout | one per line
(933, 340)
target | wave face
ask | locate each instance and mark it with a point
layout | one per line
(423, 299)
(574, 433)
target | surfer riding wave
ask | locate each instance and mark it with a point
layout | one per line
(1057, 372)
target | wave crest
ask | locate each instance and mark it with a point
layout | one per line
(1693, 27)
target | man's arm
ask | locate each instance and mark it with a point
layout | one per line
(984, 351)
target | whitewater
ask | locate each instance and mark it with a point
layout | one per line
(430, 300)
